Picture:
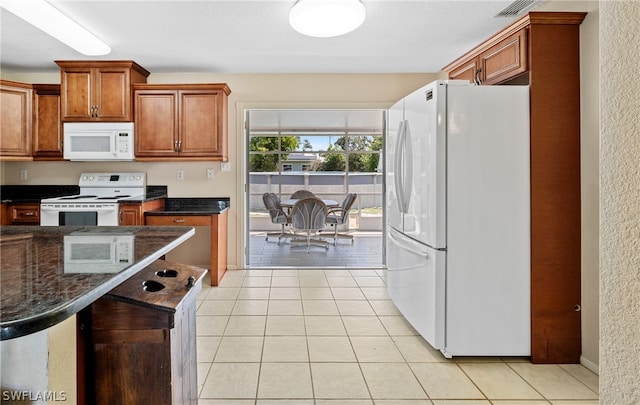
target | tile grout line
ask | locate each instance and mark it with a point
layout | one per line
(377, 314)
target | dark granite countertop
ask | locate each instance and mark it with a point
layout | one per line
(43, 284)
(192, 206)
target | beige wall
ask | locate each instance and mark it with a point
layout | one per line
(329, 90)
(619, 202)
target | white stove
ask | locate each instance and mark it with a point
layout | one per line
(97, 202)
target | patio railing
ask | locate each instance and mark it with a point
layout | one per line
(366, 214)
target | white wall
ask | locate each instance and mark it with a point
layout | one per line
(619, 202)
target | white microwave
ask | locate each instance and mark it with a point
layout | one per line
(98, 141)
(98, 253)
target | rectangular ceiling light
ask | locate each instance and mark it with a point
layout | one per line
(44, 16)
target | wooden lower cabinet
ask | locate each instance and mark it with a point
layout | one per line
(4, 214)
(23, 214)
(132, 214)
(139, 340)
(217, 223)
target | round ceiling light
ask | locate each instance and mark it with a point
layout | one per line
(326, 18)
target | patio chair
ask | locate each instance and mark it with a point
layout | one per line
(302, 194)
(277, 215)
(340, 216)
(308, 215)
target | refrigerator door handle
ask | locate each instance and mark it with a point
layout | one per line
(408, 166)
(403, 247)
(398, 167)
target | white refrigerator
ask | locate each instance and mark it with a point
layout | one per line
(458, 216)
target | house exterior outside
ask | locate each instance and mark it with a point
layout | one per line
(301, 162)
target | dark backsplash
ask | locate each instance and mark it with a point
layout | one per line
(35, 193)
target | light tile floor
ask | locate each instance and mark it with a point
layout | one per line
(333, 336)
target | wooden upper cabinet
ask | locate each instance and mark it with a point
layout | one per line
(15, 120)
(203, 112)
(466, 71)
(500, 62)
(99, 90)
(47, 126)
(156, 122)
(505, 60)
(181, 121)
(505, 57)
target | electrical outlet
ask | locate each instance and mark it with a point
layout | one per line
(225, 166)
(210, 174)
(24, 174)
(180, 175)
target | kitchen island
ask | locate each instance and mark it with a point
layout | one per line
(51, 273)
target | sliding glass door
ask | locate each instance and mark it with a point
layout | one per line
(328, 152)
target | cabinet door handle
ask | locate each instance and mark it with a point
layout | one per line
(179, 221)
(27, 214)
(175, 146)
(179, 146)
(478, 80)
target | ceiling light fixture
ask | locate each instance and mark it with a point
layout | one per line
(326, 18)
(44, 16)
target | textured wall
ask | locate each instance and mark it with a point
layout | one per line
(619, 202)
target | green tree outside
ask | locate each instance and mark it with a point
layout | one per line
(360, 158)
(272, 149)
(268, 162)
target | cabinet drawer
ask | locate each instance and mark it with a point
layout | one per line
(24, 214)
(179, 220)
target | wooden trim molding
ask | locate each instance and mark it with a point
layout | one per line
(537, 17)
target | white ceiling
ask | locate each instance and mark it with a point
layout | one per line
(243, 36)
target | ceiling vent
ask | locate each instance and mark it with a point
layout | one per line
(518, 7)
